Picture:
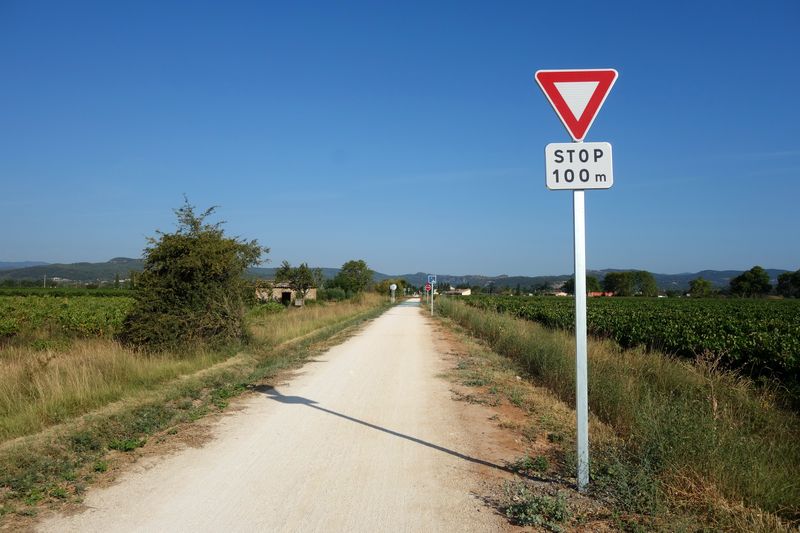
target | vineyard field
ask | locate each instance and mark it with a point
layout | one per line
(75, 316)
(761, 336)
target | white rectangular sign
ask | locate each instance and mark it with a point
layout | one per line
(577, 166)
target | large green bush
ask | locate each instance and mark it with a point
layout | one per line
(191, 291)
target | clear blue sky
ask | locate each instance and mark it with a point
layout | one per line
(410, 134)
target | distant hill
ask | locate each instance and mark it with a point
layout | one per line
(328, 273)
(85, 272)
(420, 278)
(94, 272)
(6, 265)
(720, 278)
(269, 273)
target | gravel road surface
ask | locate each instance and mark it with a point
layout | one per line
(364, 438)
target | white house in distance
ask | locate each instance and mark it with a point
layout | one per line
(458, 292)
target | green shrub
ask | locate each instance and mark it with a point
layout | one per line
(530, 464)
(192, 290)
(126, 445)
(525, 508)
(334, 294)
(266, 308)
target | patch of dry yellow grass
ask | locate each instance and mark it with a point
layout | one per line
(41, 388)
(297, 322)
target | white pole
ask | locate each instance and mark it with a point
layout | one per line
(581, 386)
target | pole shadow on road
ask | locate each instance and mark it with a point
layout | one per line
(274, 394)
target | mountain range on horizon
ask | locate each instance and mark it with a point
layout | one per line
(98, 272)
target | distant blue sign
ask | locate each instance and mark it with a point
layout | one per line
(432, 279)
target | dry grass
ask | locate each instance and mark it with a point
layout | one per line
(294, 323)
(40, 388)
(674, 416)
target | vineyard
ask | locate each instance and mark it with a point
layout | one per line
(75, 316)
(760, 336)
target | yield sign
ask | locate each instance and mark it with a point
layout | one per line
(576, 95)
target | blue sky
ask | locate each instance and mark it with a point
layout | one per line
(410, 134)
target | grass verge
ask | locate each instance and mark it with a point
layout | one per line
(57, 464)
(692, 439)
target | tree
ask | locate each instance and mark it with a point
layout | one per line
(620, 283)
(754, 282)
(789, 284)
(644, 283)
(383, 286)
(192, 288)
(592, 285)
(635, 282)
(300, 279)
(355, 276)
(319, 278)
(116, 280)
(700, 288)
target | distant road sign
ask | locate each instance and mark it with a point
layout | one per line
(577, 166)
(392, 287)
(428, 287)
(432, 279)
(576, 95)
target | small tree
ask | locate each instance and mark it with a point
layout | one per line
(620, 283)
(700, 288)
(191, 290)
(319, 277)
(355, 276)
(644, 283)
(754, 282)
(592, 285)
(789, 284)
(631, 283)
(383, 286)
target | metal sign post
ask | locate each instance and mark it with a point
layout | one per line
(576, 97)
(432, 283)
(581, 363)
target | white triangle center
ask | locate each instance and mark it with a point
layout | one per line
(577, 95)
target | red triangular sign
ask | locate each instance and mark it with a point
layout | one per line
(576, 95)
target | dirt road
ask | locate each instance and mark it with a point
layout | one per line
(365, 438)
